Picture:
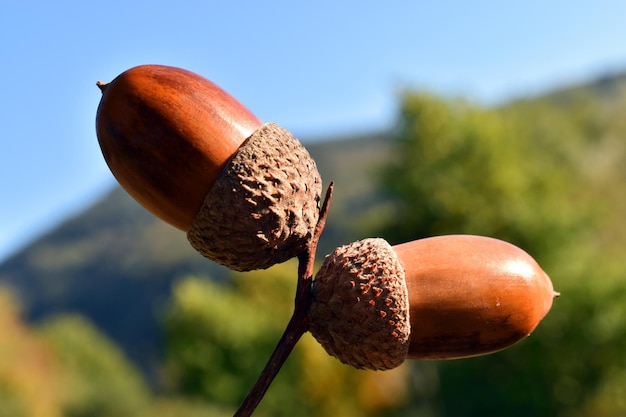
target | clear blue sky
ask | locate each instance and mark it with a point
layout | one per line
(318, 68)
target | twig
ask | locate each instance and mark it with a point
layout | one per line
(299, 322)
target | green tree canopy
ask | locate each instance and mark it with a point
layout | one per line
(98, 381)
(219, 337)
(535, 174)
(463, 169)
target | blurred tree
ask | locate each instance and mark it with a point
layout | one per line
(28, 370)
(524, 174)
(97, 380)
(183, 407)
(462, 169)
(219, 337)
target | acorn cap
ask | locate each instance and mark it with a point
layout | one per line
(360, 307)
(263, 207)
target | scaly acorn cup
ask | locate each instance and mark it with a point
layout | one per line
(246, 193)
(375, 305)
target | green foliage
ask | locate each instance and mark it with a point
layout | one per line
(536, 174)
(67, 368)
(462, 169)
(182, 407)
(219, 337)
(98, 380)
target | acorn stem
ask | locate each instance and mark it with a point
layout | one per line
(296, 327)
(299, 322)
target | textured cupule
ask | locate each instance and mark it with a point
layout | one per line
(360, 307)
(264, 205)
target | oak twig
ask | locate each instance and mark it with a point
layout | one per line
(299, 322)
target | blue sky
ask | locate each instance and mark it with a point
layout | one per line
(319, 69)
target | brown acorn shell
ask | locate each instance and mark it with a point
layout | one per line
(263, 207)
(360, 307)
(471, 295)
(166, 134)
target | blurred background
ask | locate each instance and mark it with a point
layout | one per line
(487, 118)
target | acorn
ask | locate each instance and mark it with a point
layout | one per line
(246, 193)
(375, 305)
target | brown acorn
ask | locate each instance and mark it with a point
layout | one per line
(375, 305)
(246, 193)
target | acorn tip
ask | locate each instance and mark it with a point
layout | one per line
(101, 85)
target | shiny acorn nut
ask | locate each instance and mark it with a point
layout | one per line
(245, 192)
(443, 297)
